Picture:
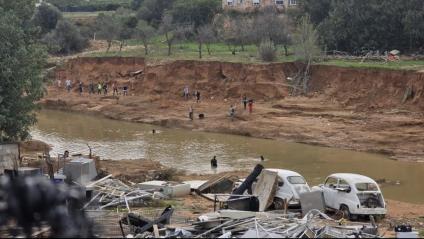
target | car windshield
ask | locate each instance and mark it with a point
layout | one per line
(366, 187)
(296, 180)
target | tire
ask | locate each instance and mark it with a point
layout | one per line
(346, 212)
(279, 204)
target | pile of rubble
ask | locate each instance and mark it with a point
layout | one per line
(243, 224)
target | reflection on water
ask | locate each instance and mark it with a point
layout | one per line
(192, 151)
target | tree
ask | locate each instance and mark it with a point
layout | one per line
(358, 27)
(267, 51)
(21, 63)
(65, 38)
(269, 25)
(196, 12)
(145, 32)
(235, 32)
(108, 29)
(153, 11)
(205, 35)
(173, 32)
(127, 24)
(46, 17)
(136, 4)
(307, 50)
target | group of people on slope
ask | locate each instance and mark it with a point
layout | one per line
(100, 88)
(186, 94)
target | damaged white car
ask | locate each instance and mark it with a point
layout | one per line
(353, 194)
(290, 186)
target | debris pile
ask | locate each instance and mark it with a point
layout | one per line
(112, 192)
(243, 224)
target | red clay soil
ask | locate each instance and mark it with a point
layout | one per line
(359, 109)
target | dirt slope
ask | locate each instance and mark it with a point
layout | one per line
(358, 109)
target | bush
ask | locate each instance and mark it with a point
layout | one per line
(46, 17)
(65, 39)
(267, 51)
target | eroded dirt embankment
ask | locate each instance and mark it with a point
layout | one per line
(358, 109)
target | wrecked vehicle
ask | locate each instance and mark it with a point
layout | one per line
(290, 185)
(353, 194)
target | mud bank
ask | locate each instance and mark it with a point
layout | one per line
(359, 109)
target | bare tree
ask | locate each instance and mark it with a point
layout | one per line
(108, 29)
(145, 33)
(269, 25)
(173, 32)
(205, 35)
(307, 50)
(235, 32)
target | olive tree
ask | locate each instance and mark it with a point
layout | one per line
(145, 33)
(173, 32)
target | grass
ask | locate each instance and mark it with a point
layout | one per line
(399, 65)
(158, 51)
(421, 234)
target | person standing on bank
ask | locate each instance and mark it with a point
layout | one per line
(244, 101)
(190, 113)
(80, 88)
(250, 106)
(197, 96)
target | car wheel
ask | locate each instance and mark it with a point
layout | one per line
(346, 212)
(279, 204)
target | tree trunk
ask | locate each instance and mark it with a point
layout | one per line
(169, 42)
(146, 50)
(200, 50)
(169, 48)
(121, 44)
(109, 44)
(208, 47)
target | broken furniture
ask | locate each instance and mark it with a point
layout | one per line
(170, 189)
(80, 170)
(140, 224)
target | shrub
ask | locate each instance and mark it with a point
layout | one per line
(65, 39)
(267, 51)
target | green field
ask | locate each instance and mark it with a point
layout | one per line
(220, 52)
(398, 65)
(158, 50)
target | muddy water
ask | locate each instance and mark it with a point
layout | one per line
(192, 151)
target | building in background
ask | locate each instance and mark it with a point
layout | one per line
(250, 5)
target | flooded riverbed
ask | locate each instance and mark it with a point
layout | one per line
(192, 151)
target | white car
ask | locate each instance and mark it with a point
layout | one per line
(290, 186)
(353, 194)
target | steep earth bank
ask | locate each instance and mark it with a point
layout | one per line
(360, 109)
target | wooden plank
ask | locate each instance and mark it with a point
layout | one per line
(156, 231)
(266, 188)
(98, 181)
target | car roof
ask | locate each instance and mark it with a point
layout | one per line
(284, 172)
(353, 177)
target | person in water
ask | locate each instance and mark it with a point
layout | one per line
(262, 158)
(214, 162)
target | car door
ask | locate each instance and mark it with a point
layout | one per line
(330, 192)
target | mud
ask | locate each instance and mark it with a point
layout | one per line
(359, 109)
